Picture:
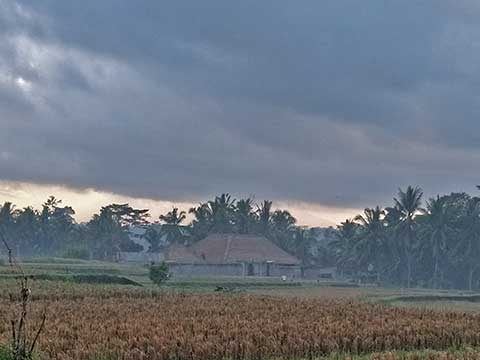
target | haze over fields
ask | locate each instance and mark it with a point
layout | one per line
(325, 107)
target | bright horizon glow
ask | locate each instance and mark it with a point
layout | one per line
(89, 201)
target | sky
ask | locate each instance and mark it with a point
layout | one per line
(324, 107)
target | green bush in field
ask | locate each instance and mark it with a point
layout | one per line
(5, 353)
(158, 273)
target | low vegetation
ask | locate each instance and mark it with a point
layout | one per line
(102, 320)
(455, 354)
(158, 273)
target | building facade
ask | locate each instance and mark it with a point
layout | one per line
(232, 255)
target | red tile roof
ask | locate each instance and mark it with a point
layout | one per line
(181, 254)
(231, 248)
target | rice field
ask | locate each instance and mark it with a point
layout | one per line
(261, 319)
(240, 326)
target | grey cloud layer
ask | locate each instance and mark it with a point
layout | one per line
(334, 102)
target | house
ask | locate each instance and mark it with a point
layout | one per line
(232, 255)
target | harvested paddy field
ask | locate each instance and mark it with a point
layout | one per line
(239, 326)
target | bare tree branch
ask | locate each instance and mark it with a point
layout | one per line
(20, 348)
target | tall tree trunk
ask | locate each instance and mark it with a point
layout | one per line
(435, 260)
(409, 270)
(409, 251)
(435, 274)
(377, 268)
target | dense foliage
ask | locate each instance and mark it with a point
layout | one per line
(53, 230)
(436, 243)
(414, 242)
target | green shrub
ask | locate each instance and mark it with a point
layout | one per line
(5, 353)
(158, 273)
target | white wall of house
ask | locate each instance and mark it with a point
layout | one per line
(237, 269)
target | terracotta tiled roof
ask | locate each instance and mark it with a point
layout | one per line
(234, 248)
(181, 254)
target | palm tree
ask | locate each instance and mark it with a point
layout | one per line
(392, 220)
(303, 239)
(372, 244)
(437, 226)
(468, 250)
(244, 215)
(264, 214)
(282, 220)
(408, 205)
(216, 215)
(171, 225)
(222, 210)
(344, 244)
(202, 221)
(283, 230)
(173, 217)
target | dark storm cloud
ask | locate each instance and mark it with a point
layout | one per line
(336, 102)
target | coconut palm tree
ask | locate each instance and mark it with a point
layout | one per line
(372, 244)
(303, 239)
(202, 221)
(173, 217)
(393, 221)
(282, 220)
(344, 244)
(437, 225)
(222, 211)
(468, 250)
(244, 216)
(264, 216)
(171, 225)
(408, 205)
(282, 230)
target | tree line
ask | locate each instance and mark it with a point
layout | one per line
(413, 242)
(53, 231)
(435, 243)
